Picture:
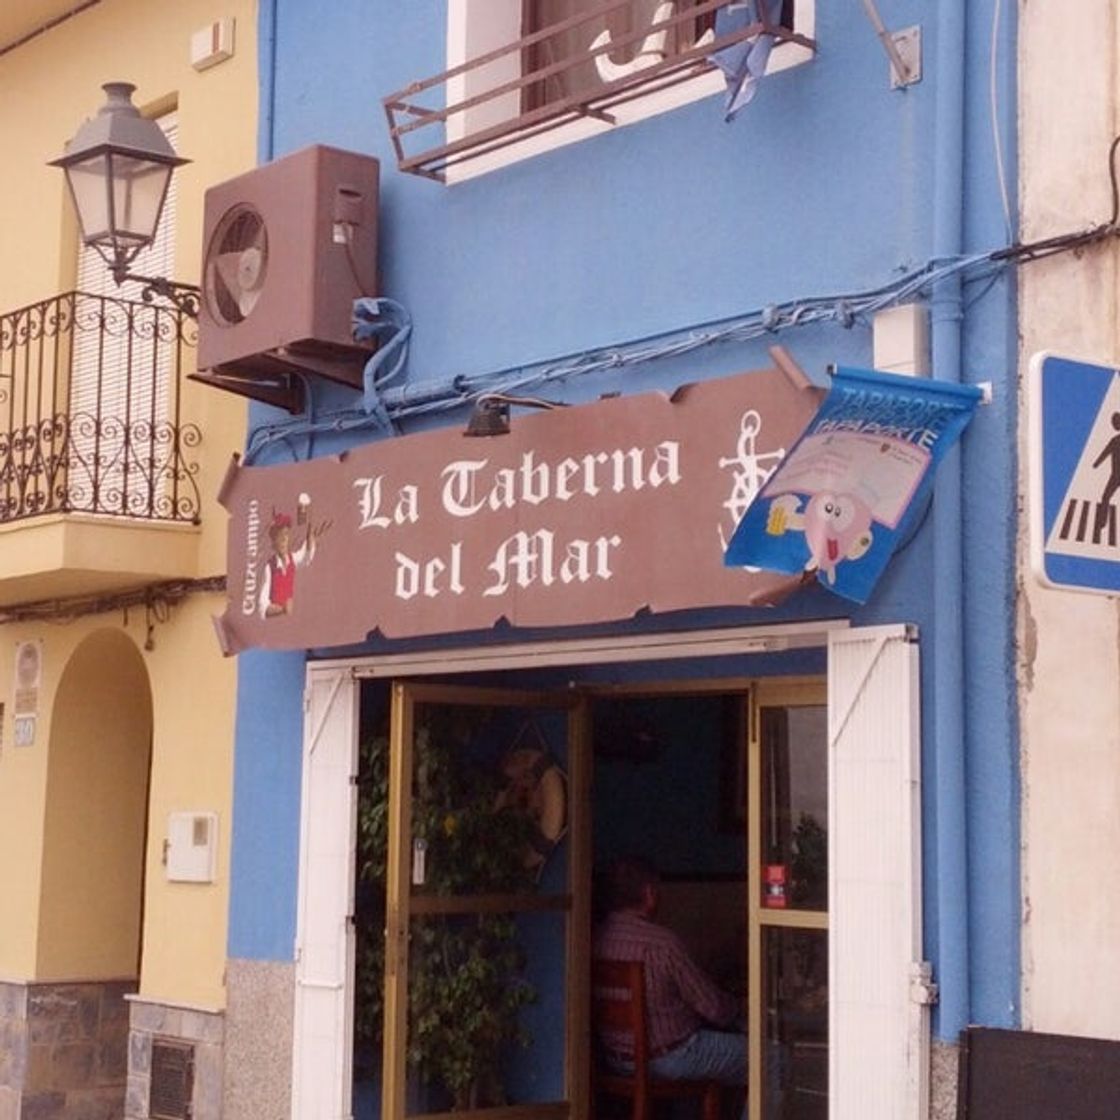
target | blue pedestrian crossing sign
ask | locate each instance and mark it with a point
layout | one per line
(1075, 474)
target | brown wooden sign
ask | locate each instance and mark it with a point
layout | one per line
(578, 515)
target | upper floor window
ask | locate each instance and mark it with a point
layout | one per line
(526, 76)
(594, 45)
(105, 380)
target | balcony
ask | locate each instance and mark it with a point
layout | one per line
(98, 475)
(563, 81)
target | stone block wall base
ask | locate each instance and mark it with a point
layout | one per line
(259, 1040)
(204, 1031)
(63, 1050)
(944, 1074)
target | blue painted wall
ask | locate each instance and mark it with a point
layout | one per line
(827, 184)
(267, 773)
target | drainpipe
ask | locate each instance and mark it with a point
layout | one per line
(950, 782)
(266, 62)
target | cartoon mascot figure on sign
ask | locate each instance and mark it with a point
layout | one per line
(837, 526)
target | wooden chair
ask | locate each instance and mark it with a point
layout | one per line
(618, 1005)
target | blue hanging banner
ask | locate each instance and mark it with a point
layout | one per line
(835, 503)
(744, 63)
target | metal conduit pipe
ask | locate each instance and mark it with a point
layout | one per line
(266, 64)
(950, 779)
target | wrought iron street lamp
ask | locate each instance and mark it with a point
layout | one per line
(118, 167)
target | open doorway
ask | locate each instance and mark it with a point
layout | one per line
(867, 987)
(485, 917)
(472, 900)
(725, 790)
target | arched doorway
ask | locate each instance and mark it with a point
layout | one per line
(95, 832)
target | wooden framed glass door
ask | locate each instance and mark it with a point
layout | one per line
(788, 926)
(487, 904)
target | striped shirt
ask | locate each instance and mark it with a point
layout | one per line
(680, 997)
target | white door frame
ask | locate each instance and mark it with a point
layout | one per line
(324, 950)
(331, 727)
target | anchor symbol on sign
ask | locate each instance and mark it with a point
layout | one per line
(753, 468)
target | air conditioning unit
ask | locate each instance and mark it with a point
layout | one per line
(287, 248)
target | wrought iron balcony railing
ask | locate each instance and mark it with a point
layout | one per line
(564, 72)
(89, 411)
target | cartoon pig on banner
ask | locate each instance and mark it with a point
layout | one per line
(836, 527)
(867, 457)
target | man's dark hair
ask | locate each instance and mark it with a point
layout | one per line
(627, 880)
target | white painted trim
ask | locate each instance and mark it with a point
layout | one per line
(591, 651)
(461, 16)
(340, 680)
(313, 739)
(322, 1035)
(135, 997)
(878, 1000)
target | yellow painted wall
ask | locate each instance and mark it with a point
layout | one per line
(73, 769)
(23, 776)
(47, 87)
(96, 808)
(192, 770)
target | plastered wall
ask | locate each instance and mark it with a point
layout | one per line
(48, 86)
(1069, 643)
(54, 792)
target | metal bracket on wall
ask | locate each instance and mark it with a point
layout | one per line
(908, 52)
(904, 48)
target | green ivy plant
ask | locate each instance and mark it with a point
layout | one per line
(466, 984)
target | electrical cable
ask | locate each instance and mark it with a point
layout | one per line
(993, 105)
(157, 599)
(383, 402)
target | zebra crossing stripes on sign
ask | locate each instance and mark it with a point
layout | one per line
(1075, 474)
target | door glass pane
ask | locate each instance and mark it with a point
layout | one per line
(794, 808)
(795, 1019)
(486, 1010)
(487, 946)
(489, 800)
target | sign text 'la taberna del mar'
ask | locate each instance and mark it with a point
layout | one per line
(578, 515)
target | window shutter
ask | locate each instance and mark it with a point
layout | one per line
(321, 1077)
(878, 1018)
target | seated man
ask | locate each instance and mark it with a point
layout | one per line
(682, 1003)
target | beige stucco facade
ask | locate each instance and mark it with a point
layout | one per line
(134, 704)
(1069, 661)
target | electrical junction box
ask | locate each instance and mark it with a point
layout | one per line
(191, 847)
(900, 340)
(213, 44)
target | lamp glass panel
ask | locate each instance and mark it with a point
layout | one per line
(139, 187)
(88, 181)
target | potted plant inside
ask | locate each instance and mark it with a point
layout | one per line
(467, 982)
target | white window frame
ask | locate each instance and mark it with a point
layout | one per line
(477, 26)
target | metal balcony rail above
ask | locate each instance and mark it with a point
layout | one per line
(89, 411)
(477, 108)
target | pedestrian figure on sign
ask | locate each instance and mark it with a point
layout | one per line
(1111, 451)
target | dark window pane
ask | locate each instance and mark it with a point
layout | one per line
(577, 74)
(795, 1019)
(794, 808)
